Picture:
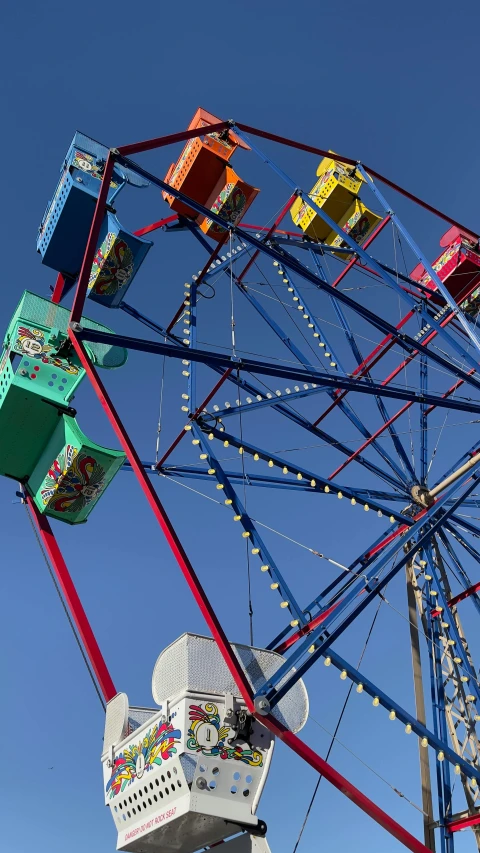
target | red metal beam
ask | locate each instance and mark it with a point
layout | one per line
(365, 245)
(270, 231)
(82, 285)
(73, 601)
(58, 289)
(465, 594)
(199, 280)
(342, 784)
(195, 415)
(464, 822)
(166, 525)
(155, 225)
(322, 153)
(160, 141)
(307, 629)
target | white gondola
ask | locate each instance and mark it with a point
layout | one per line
(190, 773)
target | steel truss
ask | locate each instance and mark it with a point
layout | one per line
(433, 529)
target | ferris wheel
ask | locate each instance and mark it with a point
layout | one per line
(364, 333)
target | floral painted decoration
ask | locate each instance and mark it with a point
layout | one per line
(157, 746)
(208, 736)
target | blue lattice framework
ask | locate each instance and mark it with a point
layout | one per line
(422, 527)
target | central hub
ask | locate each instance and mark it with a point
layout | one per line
(421, 496)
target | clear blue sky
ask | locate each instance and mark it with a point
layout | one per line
(393, 84)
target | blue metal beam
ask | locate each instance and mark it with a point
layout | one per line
(436, 517)
(215, 359)
(316, 481)
(438, 743)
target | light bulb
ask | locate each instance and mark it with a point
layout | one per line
(473, 782)
(440, 755)
(391, 519)
(428, 577)
(408, 729)
(311, 650)
(327, 661)
(379, 513)
(274, 585)
(246, 534)
(203, 456)
(270, 463)
(211, 470)
(264, 568)
(457, 660)
(313, 483)
(185, 397)
(353, 501)
(360, 688)
(424, 742)
(195, 441)
(445, 624)
(220, 486)
(226, 443)
(240, 450)
(299, 476)
(237, 517)
(284, 604)
(376, 701)
(326, 489)
(256, 457)
(228, 501)
(184, 408)
(450, 642)
(187, 427)
(294, 623)
(343, 674)
(285, 469)
(339, 496)
(457, 769)
(366, 507)
(423, 563)
(211, 436)
(255, 550)
(392, 715)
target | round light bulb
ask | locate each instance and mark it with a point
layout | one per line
(327, 661)
(360, 688)
(376, 701)
(408, 729)
(343, 674)
(392, 715)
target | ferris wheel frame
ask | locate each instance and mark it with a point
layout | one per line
(421, 527)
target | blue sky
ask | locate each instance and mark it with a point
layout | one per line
(391, 84)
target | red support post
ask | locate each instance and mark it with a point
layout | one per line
(73, 601)
(166, 525)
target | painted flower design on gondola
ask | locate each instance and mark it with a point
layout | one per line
(73, 481)
(229, 204)
(209, 736)
(112, 267)
(31, 342)
(157, 746)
